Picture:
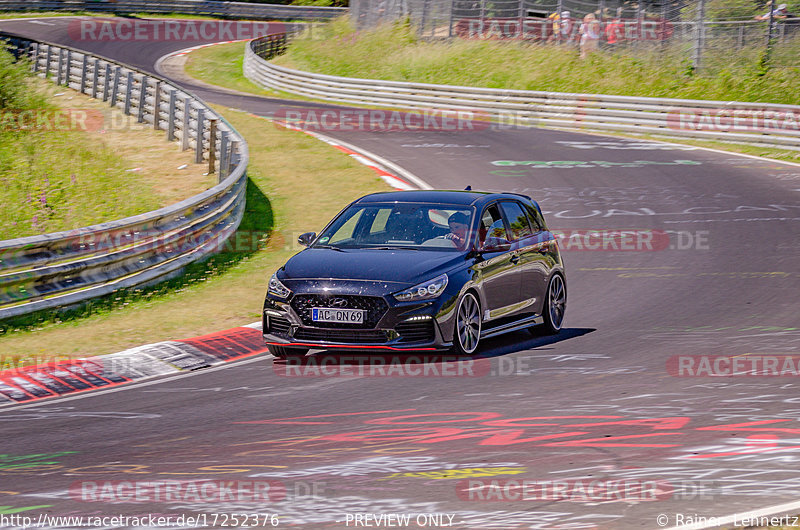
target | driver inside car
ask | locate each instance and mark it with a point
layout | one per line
(459, 225)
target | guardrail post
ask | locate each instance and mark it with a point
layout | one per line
(223, 155)
(84, 72)
(231, 154)
(187, 108)
(60, 66)
(212, 145)
(128, 93)
(107, 82)
(157, 107)
(115, 86)
(95, 77)
(142, 98)
(47, 61)
(35, 57)
(68, 69)
(699, 37)
(171, 115)
(198, 148)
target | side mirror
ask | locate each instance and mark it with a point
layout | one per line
(307, 238)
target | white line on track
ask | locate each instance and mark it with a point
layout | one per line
(381, 161)
(40, 23)
(125, 386)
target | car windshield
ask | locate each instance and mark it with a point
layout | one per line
(418, 226)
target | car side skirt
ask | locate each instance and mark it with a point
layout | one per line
(512, 326)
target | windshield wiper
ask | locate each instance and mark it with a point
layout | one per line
(393, 248)
(328, 246)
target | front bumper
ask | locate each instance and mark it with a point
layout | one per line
(389, 325)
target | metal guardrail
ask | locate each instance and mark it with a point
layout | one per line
(756, 123)
(65, 268)
(192, 7)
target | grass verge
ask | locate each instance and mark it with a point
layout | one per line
(222, 65)
(393, 52)
(90, 171)
(202, 64)
(297, 184)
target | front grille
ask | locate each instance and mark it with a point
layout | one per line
(350, 336)
(278, 325)
(374, 306)
(417, 331)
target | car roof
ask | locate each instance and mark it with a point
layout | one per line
(439, 196)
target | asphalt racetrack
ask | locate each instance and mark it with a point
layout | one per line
(612, 424)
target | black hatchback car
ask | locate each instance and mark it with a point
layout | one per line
(415, 271)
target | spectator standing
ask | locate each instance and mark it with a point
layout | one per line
(615, 32)
(562, 26)
(590, 34)
(780, 13)
(567, 26)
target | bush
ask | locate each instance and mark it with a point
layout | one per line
(15, 92)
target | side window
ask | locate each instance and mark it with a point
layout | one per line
(517, 220)
(379, 223)
(537, 222)
(491, 225)
(346, 231)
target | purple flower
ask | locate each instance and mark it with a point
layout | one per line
(43, 198)
(73, 178)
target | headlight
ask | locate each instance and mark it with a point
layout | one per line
(424, 291)
(277, 288)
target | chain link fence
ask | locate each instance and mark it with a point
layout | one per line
(701, 29)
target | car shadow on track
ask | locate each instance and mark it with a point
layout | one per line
(523, 340)
(505, 345)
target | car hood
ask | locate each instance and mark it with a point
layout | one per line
(401, 267)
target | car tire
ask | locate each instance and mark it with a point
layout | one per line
(555, 304)
(286, 353)
(467, 329)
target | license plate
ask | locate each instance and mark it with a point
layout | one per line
(329, 314)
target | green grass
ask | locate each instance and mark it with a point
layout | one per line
(51, 182)
(392, 52)
(56, 180)
(222, 65)
(217, 64)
